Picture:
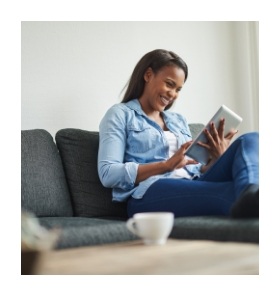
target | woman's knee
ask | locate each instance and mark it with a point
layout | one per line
(251, 137)
(249, 143)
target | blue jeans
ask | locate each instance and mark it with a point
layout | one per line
(211, 194)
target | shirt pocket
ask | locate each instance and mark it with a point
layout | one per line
(185, 134)
(142, 138)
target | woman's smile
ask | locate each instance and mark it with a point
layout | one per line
(165, 100)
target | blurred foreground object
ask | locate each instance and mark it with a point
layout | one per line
(34, 239)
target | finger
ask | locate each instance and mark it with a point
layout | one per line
(205, 145)
(209, 137)
(231, 134)
(214, 131)
(192, 161)
(221, 128)
(186, 145)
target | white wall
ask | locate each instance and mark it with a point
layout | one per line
(72, 72)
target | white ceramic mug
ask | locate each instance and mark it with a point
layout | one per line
(152, 227)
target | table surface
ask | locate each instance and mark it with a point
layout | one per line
(176, 257)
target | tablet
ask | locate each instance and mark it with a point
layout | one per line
(232, 121)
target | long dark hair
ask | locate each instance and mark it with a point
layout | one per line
(155, 60)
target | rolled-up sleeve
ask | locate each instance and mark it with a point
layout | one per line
(113, 171)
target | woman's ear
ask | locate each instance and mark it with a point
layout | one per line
(148, 74)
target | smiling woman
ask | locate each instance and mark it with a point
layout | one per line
(150, 64)
(142, 151)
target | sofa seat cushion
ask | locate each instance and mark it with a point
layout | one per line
(44, 189)
(80, 231)
(216, 228)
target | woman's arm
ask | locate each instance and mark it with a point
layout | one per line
(177, 161)
(112, 170)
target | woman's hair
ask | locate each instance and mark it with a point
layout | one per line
(156, 60)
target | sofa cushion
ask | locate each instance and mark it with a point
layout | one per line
(79, 149)
(195, 129)
(81, 231)
(216, 228)
(44, 190)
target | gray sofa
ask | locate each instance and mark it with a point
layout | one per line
(60, 185)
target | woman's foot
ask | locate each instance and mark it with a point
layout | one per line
(247, 205)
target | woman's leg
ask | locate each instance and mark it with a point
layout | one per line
(240, 164)
(185, 198)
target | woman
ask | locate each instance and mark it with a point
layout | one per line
(142, 151)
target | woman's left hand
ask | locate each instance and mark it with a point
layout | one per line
(217, 143)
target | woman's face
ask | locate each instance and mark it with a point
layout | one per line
(161, 88)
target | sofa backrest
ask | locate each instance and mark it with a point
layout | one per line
(44, 189)
(196, 129)
(79, 150)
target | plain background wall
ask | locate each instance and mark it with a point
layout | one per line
(72, 72)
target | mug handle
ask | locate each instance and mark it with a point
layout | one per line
(131, 225)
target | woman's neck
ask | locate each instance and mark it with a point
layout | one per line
(156, 116)
(148, 110)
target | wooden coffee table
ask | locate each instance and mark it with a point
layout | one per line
(175, 257)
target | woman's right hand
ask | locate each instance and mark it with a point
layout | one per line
(179, 159)
(176, 161)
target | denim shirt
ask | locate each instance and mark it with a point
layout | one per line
(128, 137)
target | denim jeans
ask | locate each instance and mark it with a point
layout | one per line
(211, 194)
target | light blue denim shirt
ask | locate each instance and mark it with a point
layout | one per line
(129, 138)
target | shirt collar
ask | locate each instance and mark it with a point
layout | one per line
(136, 106)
